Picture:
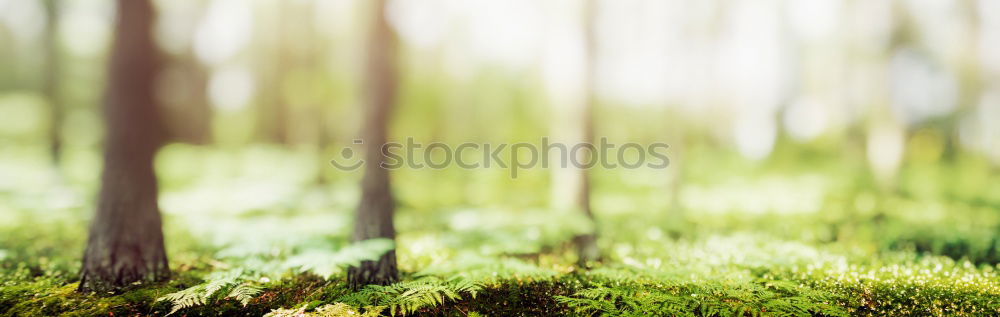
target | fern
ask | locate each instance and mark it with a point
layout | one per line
(327, 262)
(489, 270)
(238, 284)
(220, 280)
(411, 296)
(244, 293)
(586, 305)
(186, 298)
(329, 310)
(716, 298)
(233, 281)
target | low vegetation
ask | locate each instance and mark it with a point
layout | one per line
(850, 250)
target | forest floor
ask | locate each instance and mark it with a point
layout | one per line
(771, 239)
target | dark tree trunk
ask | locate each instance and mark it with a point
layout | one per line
(586, 244)
(126, 240)
(374, 214)
(50, 85)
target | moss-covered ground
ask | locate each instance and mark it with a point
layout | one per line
(776, 238)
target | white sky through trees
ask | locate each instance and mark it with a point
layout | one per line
(808, 67)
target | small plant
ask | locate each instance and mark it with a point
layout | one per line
(241, 283)
(717, 298)
(329, 310)
(408, 297)
(233, 283)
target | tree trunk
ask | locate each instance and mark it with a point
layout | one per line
(586, 244)
(51, 82)
(187, 117)
(126, 240)
(374, 214)
(272, 111)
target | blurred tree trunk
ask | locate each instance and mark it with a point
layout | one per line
(586, 244)
(317, 49)
(126, 240)
(887, 132)
(680, 143)
(51, 84)
(374, 214)
(272, 113)
(972, 81)
(188, 115)
(322, 143)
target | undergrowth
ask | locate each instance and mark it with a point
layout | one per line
(782, 245)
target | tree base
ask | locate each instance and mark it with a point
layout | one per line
(381, 272)
(586, 250)
(121, 274)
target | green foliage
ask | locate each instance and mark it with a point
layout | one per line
(327, 263)
(241, 284)
(215, 285)
(720, 298)
(818, 241)
(410, 296)
(489, 270)
(329, 310)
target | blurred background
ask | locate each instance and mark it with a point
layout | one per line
(866, 126)
(889, 78)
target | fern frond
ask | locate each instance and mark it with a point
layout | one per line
(189, 297)
(244, 293)
(215, 284)
(411, 296)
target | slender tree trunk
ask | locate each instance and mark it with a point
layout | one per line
(586, 244)
(374, 214)
(51, 82)
(272, 112)
(126, 240)
(322, 143)
(312, 56)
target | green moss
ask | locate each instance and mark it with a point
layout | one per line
(866, 251)
(876, 295)
(518, 299)
(39, 300)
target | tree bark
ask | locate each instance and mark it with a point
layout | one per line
(374, 214)
(125, 245)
